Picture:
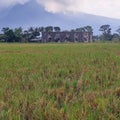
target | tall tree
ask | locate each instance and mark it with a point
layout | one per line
(88, 29)
(31, 29)
(41, 29)
(57, 29)
(3, 38)
(49, 29)
(115, 37)
(106, 32)
(18, 34)
(10, 36)
(33, 32)
(118, 30)
(26, 36)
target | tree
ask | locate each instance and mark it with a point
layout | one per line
(18, 34)
(41, 29)
(25, 36)
(72, 30)
(49, 29)
(57, 29)
(10, 36)
(115, 37)
(88, 29)
(85, 29)
(33, 32)
(106, 32)
(36, 32)
(81, 29)
(31, 29)
(118, 30)
(3, 38)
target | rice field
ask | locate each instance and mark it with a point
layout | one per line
(60, 81)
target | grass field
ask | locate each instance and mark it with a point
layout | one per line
(60, 81)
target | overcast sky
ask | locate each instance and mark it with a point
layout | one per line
(108, 8)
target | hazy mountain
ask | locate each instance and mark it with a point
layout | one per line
(32, 14)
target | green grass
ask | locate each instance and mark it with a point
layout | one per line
(60, 81)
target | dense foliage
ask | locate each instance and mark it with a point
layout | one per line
(20, 35)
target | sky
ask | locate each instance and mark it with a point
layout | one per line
(107, 8)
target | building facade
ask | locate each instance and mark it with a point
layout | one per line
(66, 37)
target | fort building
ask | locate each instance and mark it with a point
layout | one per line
(65, 37)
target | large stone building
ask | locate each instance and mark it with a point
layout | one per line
(66, 37)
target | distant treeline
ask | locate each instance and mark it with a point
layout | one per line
(20, 35)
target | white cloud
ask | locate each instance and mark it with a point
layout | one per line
(63, 6)
(108, 8)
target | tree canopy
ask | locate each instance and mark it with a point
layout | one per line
(20, 35)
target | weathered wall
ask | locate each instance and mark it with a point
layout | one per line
(66, 36)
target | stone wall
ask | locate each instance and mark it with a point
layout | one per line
(66, 37)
